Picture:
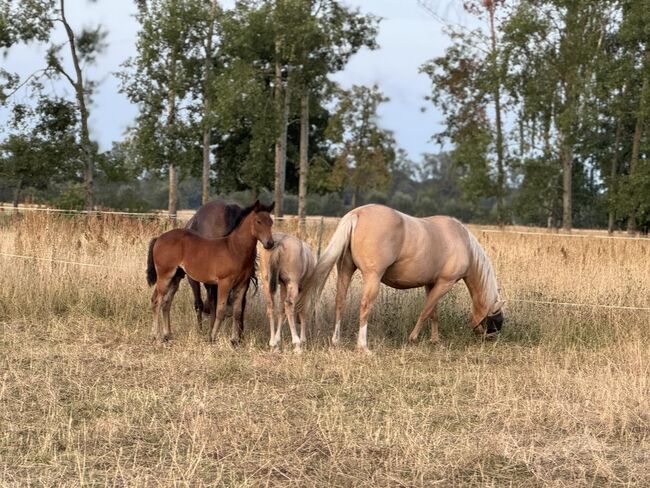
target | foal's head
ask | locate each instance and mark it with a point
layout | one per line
(262, 223)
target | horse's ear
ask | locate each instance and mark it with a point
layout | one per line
(271, 207)
(256, 205)
(497, 306)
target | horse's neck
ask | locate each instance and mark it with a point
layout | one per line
(241, 241)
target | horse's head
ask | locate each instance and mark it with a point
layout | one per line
(262, 223)
(493, 321)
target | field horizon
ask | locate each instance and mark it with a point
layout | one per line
(561, 398)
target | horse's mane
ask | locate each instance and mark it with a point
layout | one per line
(235, 215)
(482, 266)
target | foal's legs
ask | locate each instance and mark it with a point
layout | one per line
(270, 310)
(238, 316)
(434, 294)
(345, 269)
(279, 318)
(222, 304)
(238, 305)
(198, 303)
(290, 301)
(370, 290)
(167, 305)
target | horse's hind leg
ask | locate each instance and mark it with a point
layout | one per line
(370, 292)
(433, 296)
(167, 305)
(345, 269)
(290, 302)
(279, 321)
(198, 303)
(156, 304)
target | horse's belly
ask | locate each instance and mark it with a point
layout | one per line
(404, 277)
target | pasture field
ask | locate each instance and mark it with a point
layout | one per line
(562, 398)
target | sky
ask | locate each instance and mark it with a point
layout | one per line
(409, 35)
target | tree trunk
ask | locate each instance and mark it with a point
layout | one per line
(499, 127)
(205, 175)
(171, 118)
(17, 192)
(612, 185)
(277, 182)
(304, 157)
(78, 85)
(567, 180)
(283, 135)
(173, 191)
(634, 161)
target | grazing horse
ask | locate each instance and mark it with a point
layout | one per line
(214, 219)
(227, 262)
(289, 263)
(406, 252)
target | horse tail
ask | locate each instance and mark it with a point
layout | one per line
(337, 247)
(152, 277)
(274, 269)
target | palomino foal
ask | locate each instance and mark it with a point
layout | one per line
(406, 252)
(289, 263)
(227, 262)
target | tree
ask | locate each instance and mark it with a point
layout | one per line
(557, 46)
(22, 21)
(84, 49)
(43, 148)
(160, 79)
(364, 152)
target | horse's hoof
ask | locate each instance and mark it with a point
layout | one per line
(297, 350)
(235, 342)
(413, 340)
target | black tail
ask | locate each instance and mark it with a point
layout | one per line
(151, 268)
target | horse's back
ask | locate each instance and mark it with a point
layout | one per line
(410, 251)
(295, 258)
(214, 219)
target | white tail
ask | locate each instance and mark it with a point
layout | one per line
(338, 245)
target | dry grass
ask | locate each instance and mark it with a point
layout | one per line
(561, 399)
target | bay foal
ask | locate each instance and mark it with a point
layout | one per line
(227, 262)
(403, 252)
(288, 264)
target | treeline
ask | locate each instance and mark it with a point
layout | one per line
(544, 112)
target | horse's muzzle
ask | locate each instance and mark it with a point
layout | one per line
(493, 323)
(269, 245)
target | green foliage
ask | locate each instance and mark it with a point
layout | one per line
(364, 152)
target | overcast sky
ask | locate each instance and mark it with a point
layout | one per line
(408, 36)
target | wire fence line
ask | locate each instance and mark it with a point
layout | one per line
(519, 300)
(163, 214)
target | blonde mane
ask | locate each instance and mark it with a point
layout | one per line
(485, 279)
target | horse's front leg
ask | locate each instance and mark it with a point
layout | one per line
(198, 302)
(434, 294)
(222, 306)
(238, 305)
(270, 309)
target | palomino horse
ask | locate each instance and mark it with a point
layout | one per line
(289, 263)
(406, 252)
(227, 262)
(214, 219)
